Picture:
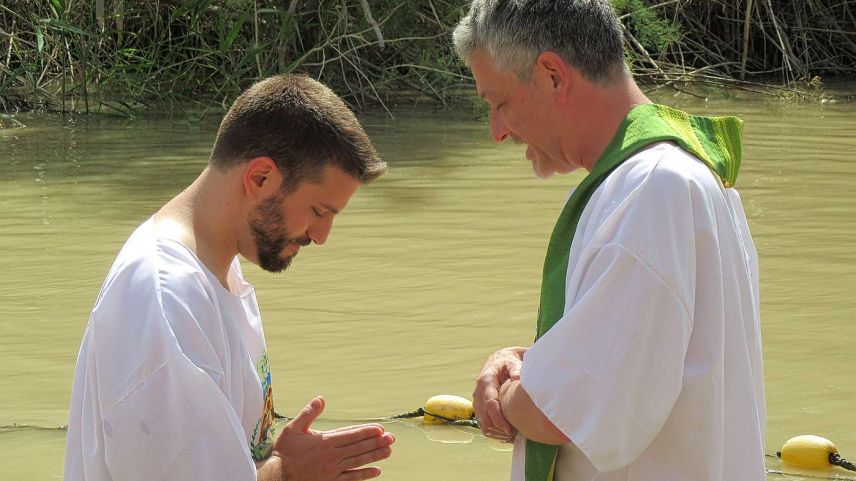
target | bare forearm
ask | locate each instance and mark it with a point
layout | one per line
(524, 415)
(269, 469)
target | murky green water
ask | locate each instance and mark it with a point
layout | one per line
(427, 272)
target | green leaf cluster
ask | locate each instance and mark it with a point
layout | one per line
(655, 33)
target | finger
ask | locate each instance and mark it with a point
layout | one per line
(486, 426)
(514, 371)
(488, 380)
(366, 458)
(487, 390)
(366, 445)
(344, 438)
(505, 440)
(485, 422)
(484, 393)
(307, 415)
(502, 435)
(359, 474)
(509, 439)
(354, 426)
(496, 417)
(499, 435)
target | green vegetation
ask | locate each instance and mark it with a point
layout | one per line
(129, 56)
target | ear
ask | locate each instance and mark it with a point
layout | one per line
(262, 178)
(553, 74)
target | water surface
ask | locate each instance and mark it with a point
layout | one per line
(428, 271)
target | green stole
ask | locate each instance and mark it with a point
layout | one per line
(714, 140)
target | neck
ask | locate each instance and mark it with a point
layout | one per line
(608, 107)
(203, 217)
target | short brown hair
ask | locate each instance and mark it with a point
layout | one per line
(302, 125)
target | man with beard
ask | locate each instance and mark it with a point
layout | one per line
(647, 359)
(172, 379)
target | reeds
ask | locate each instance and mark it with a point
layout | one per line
(125, 56)
(780, 47)
(128, 55)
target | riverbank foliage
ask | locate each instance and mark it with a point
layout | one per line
(130, 55)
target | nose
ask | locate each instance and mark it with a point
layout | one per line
(320, 229)
(497, 127)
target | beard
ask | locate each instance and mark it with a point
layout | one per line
(267, 225)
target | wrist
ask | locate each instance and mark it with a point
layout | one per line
(270, 469)
(506, 391)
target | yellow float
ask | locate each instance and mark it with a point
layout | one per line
(446, 407)
(812, 452)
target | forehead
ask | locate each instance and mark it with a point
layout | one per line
(490, 81)
(334, 189)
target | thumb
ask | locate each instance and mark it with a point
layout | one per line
(308, 415)
(514, 371)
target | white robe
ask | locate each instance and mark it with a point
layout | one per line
(168, 383)
(654, 371)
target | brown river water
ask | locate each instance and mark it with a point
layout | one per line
(428, 271)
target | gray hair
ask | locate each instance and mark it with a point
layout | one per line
(585, 33)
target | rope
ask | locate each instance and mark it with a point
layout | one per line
(409, 414)
(835, 459)
(473, 423)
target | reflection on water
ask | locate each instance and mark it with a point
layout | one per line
(428, 270)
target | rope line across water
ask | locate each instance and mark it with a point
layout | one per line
(473, 423)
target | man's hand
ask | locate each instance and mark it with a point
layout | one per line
(301, 454)
(500, 366)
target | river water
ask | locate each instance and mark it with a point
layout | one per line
(428, 271)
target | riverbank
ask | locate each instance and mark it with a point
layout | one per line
(197, 55)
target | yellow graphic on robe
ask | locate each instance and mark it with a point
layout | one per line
(262, 442)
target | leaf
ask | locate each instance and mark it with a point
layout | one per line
(233, 33)
(59, 25)
(40, 40)
(199, 9)
(57, 7)
(188, 6)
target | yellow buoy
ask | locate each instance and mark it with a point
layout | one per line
(808, 451)
(447, 407)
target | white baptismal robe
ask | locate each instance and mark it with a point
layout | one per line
(654, 371)
(172, 379)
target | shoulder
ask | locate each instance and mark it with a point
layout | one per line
(665, 166)
(156, 305)
(148, 266)
(660, 180)
(653, 205)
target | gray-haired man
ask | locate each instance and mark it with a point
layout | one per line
(647, 363)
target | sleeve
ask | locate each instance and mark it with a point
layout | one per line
(608, 373)
(162, 413)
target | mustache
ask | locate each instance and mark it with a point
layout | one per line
(301, 241)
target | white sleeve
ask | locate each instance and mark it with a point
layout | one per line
(163, 415)
(608, 373)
